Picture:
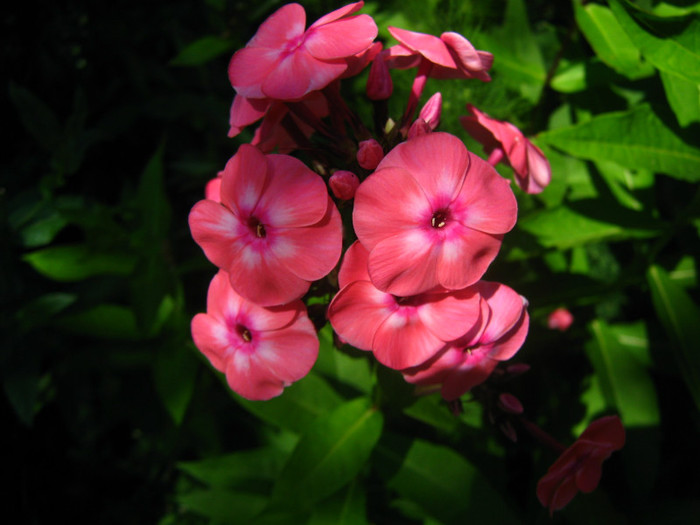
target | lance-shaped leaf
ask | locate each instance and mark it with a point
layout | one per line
(76, 262)
(680, 317)
(683, 96)
(637, 138)
(610, 43)
(329, 455)
(670, 43)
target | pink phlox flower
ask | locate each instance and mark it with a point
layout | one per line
(560, 319)
(503, 140)
(400, 331)
(284, 61)
(432, 214)
(469, 361)
(275, 230)
(212, 190)
(580, 466)
(450, 56)
(261, 350)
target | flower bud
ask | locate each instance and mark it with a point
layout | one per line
(418, 128)
(379, 84)
(432, 110)
(560, 319)
(510, 404)
(344, 184)
(369, 154)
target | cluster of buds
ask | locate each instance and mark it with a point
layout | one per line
(428, 216)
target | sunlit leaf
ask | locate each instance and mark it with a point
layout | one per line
(78, 261)
(683, 96)
(329, 454)
(621, 365)
(635, 139)
(669, 43)
(679, 315)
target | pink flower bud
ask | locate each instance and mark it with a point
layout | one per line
(344, 184)
(418, 128)
(509, 403)
(432, 111)
(369, 154)
(379, 84)
(560, 319)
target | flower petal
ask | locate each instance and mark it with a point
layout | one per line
(354, 265)
(464, 259)
(210, 336)
(243, 180)
(450, 316)
(245, 377)
(298, 74)
(342, 38)
(431, 47)
(403, 341)
(216, 230)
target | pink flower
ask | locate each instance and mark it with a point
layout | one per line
(369, 154)
(560, 319)
(469, 361)
(344, 184)
(450, 56)
(433, 214)
(285, 62)
(261, 350)
(580, 466)
(275, 230)
(400, 331)
(532, 170)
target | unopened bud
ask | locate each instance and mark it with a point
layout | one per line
(509, 403)
(432, 110)
(369, 154)
(560, 319)
(379, 84)
(344, 184)
(418, 128)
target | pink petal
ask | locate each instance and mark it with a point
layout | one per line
(506, 310)
(606, 430)
(294, 195)
(463, 259)
(465, 53)
(357, 311)
(588, 475)
(243, 180)
(438, 161)
(247, 379)
(434, 370)
(431, 47)
(450, 316)
(510, 343)
(354, 265)
(338, 14)
(249, 67)
(210, 336)
(259, 277)
(263, 319)
(388, 202)
(223, 302)
(403, 341)
(298, 74)
(216, 230)
(463, 379)
(341, 39)
(486, 199)
(285, 24)
(245, 111)
(312, 252)
(563, 494)
(539, 170)
(405, 264)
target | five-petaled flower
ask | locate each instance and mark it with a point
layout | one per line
(432, 215)
(580, 466)
(261, 350)
(283, 61)
(275, 230)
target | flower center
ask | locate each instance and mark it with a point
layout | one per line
(244, 333)
(439, 219)
(258, 227)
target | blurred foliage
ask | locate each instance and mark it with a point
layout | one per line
(117, 113)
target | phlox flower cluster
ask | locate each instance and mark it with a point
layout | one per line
(393, 225)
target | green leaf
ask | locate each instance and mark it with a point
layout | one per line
(585, 222)
(518, 57)
(202, 51)
(298, 406)
(623, 375)
(175, 373)
(346, 507)
(445, 485)
(76, 262)
(679, 316)
(104, 321)
(329, 454)
(37, 118)
(670, 44)
(238, 469)
(336, 364)
(623, 182)
(222, 506)
(683, 96)
(637, 138)
(610, 43)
